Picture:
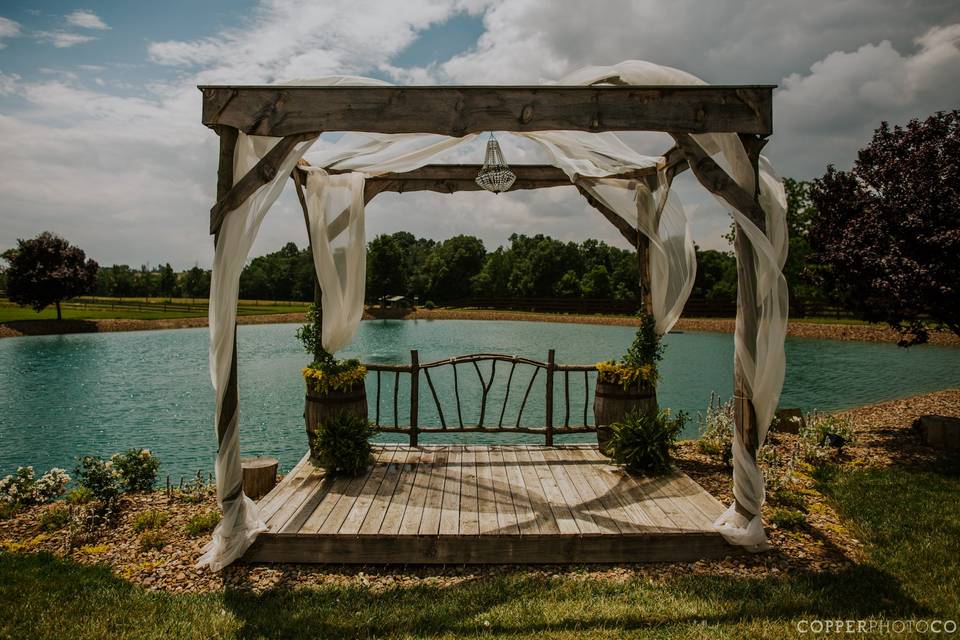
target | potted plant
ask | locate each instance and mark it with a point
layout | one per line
(642, 442)
(341, 444)
(630, 384)
(333, 386)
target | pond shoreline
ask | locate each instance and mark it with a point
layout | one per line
(815, 330)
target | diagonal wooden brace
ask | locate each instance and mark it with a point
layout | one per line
(259, 175)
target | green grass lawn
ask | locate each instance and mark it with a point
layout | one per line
(140, 310)
(909, 521)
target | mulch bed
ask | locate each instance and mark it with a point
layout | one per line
(884, 437)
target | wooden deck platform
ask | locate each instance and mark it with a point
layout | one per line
(487, 504)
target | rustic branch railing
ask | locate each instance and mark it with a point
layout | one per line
(415, 368)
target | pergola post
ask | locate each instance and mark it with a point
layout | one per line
(716, 180)
(231, 395)
(298, 180)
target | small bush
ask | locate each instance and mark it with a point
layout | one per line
(786, 518)
(23, 489)
(716, 428)
(429, 304)
(79, 495)
(202, 523)
(99, 477)
(196, 490)
(152, 539)
(822, 425)
(137, 469)
(146, 520)
(343, 444)
(642, 442)
(54, 519)
(87, 521)
(789, 498)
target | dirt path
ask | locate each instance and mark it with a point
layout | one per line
(851, 332)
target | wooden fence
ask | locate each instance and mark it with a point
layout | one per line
(454, 423)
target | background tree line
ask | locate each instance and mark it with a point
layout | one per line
(460, 268)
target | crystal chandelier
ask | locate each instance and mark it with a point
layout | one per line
(495, 175)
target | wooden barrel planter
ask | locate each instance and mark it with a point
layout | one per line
(320, 407)
(612, 402)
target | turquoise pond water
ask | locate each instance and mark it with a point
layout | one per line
(64, 396)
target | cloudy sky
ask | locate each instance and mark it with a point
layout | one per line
(100, 134)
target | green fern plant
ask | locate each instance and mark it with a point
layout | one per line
(342, 444)
(642, 442)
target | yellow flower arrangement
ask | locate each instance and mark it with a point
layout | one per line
(319, 381)
(613, 372)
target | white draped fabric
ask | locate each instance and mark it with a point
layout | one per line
(240, 523)
(591, 161)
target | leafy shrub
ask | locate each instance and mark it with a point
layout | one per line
(152, 539)
(137, 469)
(642, 442)
(54, 519)
(79, 495)
(429, 304)
(150, 519)
(821, 425)
(196, 490)
(100, 477)
(716, 428)
(87, 521)
(639, 363)
(23, 489)
(202, 523)
(786, 518)
(343, 443)
(789, 498)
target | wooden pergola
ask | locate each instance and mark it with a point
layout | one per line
(300, 113)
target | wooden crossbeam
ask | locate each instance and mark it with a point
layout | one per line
(262, 173)
(456, 111)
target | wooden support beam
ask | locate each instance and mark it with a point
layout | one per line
(718, 182)
(231, 395)
(298, 181)
(262, 173)
(457, 111)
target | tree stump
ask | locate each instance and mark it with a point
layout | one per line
(939, 432)
(259, 475)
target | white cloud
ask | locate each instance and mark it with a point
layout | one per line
(131, 177)
(8, 29)
(62, 39)
(828, 113)
(8, 83)
(85, 20)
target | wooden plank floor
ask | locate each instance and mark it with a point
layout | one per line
(459, 504)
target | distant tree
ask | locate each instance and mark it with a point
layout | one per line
(452, 265)
(122, 281)
(48, 270)
(716, 276)
(196, 283)
(596, 283)
(494, 277)
(386, 271)
(569, 285)
(889, 229)
(167, 283)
